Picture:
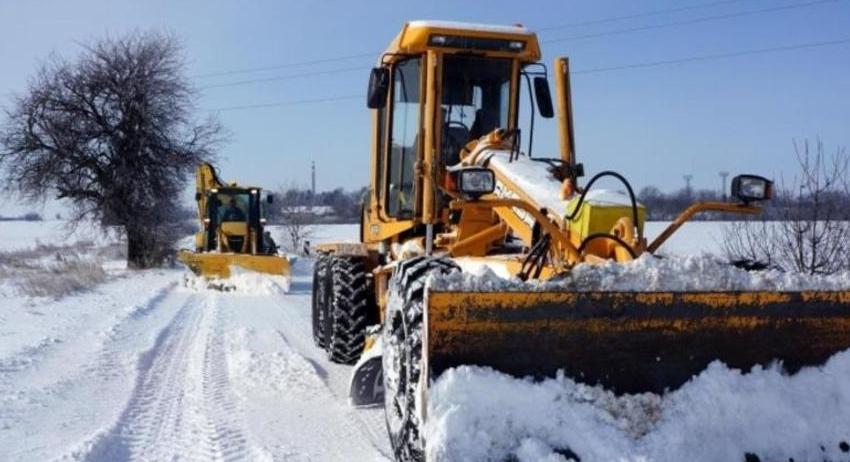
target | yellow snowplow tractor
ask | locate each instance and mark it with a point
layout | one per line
(457, 187)
(232, 233)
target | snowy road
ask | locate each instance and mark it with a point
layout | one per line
(185, 375)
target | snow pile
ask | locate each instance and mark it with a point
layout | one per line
(649, 273)
(240, 281)
(529, 176)
(721, 415)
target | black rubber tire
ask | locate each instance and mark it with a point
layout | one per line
(351, 309)
(402, 352)
(321, 291)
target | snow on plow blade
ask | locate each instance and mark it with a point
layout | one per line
(633, 342)
(217, 265)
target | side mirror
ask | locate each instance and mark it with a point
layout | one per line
(751, 188)
(270, 198)
(198, 197)
(543, 97)
(379, 83)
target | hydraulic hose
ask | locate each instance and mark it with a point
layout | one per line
(631, 198)
(610, 237)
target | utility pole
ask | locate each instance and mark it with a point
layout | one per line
(688, 179)
(313, 178)
(723, 174)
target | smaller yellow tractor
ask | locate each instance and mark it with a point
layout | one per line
(232, 230)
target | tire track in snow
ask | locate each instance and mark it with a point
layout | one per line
(296, 324)
(83, 351)
(182, 406)
(32, 355)
(367, 421)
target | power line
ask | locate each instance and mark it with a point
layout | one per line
(284, 77)
(690, 21)
(372, 54)
(688, 59)
(251, 70)
(289, 103)
(598, 70)
(579, 37)
(637, 15)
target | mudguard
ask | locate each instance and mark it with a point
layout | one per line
(366, 387)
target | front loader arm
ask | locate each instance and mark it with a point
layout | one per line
(206, 179)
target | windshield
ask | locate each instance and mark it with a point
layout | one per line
(476, 100)
(232, 206)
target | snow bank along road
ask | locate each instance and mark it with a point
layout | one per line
(146, 368)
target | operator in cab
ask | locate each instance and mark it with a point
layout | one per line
(232, 212)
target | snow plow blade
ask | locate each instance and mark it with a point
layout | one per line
(218, 265)
(632, 342)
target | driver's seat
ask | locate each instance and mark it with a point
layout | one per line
(455, 137)
(485, 122)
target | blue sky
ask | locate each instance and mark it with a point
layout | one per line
(653, 124)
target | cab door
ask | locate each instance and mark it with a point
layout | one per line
(398, 144)
(405, 140)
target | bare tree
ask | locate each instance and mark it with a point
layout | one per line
(111, 133)
(296, 228)
(811, 233)
(294, 213)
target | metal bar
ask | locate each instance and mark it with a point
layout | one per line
(483, 237)
(698, 207)
(565, 110)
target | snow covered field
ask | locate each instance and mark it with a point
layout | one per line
(146, 366)
(16, 235)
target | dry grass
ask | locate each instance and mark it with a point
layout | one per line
(57, 280)
(48, 270)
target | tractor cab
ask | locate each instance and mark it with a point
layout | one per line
(233, 229)
(438, 87)
(234, 221)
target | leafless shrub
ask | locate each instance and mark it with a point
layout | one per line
(112, 251)
(812, 231)
(296, 228)
(59, 279)
(294, 214)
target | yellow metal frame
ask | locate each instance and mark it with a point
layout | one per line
(217, 263)
(484, 224)
(699, 207)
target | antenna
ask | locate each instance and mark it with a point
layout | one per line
(313, 178)
(723, 174)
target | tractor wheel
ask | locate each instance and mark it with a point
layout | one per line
(402, 353)
(321, 290)
(351, 309)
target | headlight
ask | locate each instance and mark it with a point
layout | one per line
(476, 181)
(751, 188)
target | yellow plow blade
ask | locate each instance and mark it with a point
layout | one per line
(218, 265)
(632, 342)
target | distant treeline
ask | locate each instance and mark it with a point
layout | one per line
(666, 206)
(328, 207)
(32, 216)
(340, 206)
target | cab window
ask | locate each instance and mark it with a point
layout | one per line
(404, 138)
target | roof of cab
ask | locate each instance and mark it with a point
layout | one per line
(415, 35)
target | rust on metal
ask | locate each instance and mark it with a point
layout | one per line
(634, 342)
